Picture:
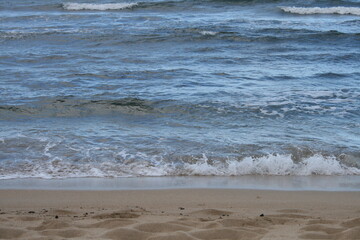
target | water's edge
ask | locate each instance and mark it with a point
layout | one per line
(279, 183)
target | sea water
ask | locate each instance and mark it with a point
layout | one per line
(98, 88)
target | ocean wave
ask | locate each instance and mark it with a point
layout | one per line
(98, 7)
(114, 37)
(308, 103)
(136, 166)
(322, 10)
(77, 108)
(28, 34)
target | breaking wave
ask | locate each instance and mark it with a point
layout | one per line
(325, 10)
(132, 166)
(98, 7)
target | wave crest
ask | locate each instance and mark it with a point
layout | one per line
(319, 10)
(97, 7)
(144, 165)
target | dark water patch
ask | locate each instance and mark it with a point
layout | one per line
(353, 57)
(226, 60)
(283, 36)
(279, 78)
(88, 75)
(77, 108)
(170, 34)
(41, 59)
(306, 104)
(304, 35)
(48, 34)
(305, 56)
(332, 75)
(206, 50)
(351, 23)
(112, 78)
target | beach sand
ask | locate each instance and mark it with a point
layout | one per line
(179, 214)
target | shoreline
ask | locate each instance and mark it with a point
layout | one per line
(251, 182)
(181, 214)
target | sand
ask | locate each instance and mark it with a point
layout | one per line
(179, 214)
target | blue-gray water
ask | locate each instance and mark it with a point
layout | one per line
(183, 87)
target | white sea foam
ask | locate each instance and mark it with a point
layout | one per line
(98, 7)
(208, 33)
(279, 165)
(319, 10)
(272, 165)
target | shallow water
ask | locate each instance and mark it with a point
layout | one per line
(256, 182)
(169, 88)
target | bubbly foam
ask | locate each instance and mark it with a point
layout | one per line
(208, 33)
(99, 7)
(272, 164)
(326, 10)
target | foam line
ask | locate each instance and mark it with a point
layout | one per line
(98, 7)
(318, 10)
(272, 165)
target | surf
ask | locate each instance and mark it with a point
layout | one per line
(322, 10)
(98, 7)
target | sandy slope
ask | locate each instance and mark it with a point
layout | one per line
(179, 214)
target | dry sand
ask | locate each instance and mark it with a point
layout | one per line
(179, 214)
